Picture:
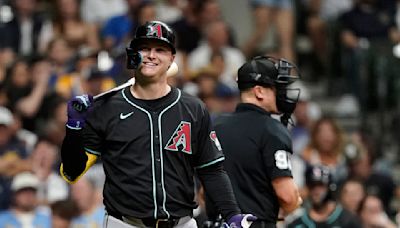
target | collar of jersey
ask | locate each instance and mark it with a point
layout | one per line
(156, 104)
(243, 107)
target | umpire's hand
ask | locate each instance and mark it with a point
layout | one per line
(241, 221)
(77, 109)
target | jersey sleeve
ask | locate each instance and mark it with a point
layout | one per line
(209, 151)
(277, 153)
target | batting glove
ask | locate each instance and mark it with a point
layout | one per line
(77, 109)
(240, 221)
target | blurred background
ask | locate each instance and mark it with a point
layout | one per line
(347, 51)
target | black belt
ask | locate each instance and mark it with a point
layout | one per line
(262, 224)
(148, 222)
(160, 223)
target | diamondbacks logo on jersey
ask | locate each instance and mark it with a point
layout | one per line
(181, 139)
(214, 138)
(155, 30)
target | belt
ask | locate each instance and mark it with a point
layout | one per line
(263, 224)
(160, 223)
(147, 222)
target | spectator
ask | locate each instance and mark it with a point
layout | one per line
(318, 21)
(28, 33)
(217, 41)
(326, 147)
(17, 82)
(51, 186)
(366, 36)
(13, 156)
(68, 24)
(23, 212)
(351, 194)
(191, 29)
(62, 213)
(265, 14)
(83, 192)
(324, 211)
(59, 54)
(376, 182)
(373, 215)
(29, 104)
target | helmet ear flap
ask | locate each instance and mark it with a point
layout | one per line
(133, 58)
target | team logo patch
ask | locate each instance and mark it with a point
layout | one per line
(155, 30)
(214, 138)
(181, 139)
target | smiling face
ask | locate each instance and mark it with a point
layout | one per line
(156, 59)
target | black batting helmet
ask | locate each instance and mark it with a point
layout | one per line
(154, 30)
(318, 174)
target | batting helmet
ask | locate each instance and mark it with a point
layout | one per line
(155, 30)
(269, 71)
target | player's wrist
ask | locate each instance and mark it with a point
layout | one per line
(75, 124)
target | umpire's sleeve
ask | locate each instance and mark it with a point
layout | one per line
(75, 161)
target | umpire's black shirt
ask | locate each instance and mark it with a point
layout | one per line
(257, 149)
(150, 151)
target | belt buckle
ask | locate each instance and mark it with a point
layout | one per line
(160, 220)
(166, 222)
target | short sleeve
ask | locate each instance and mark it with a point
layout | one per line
(210, 150)
(277, 154)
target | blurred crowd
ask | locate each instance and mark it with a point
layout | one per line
(53, 50)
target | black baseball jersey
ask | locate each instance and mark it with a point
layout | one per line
(339, 218)
(257, 150)
(150, 151)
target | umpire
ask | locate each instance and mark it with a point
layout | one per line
(257, 147)
(152, 138)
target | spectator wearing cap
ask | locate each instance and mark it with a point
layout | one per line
(12, 155)
(23, 212)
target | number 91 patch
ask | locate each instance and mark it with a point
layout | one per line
(282, 160)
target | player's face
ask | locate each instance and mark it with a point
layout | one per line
(157, 57)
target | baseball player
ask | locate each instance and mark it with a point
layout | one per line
(257, 147)
(152, 139)
(324, 211)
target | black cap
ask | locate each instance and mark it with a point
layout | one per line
(257, 71)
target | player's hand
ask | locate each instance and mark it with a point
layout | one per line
(77, 109)
(241, 221)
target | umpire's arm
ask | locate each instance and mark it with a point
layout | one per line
(75, 160)
(287, 192)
